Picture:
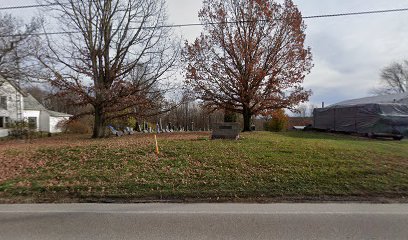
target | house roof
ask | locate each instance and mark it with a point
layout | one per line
(58, 114)
(401, 98)
(30, 103)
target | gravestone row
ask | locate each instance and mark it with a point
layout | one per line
(219, 131)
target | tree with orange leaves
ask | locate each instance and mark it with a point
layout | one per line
(250, 58)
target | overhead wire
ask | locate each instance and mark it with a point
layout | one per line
(195, 24)
(28, 6)
(357, 13)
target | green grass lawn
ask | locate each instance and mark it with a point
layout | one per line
(292, 165)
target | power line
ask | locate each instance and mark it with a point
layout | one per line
(206, 24)
(308, 17)
(28, 6)
(357, 13)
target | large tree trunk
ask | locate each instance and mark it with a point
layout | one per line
(247, 120)
(99, 124)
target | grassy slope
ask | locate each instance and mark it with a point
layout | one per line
(293, 164)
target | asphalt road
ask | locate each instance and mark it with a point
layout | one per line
(204, 221)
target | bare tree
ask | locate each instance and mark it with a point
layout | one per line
(113, 56)
(394, 79)
(301, 111)
(304, 110)
(18, 46)
(250, 58)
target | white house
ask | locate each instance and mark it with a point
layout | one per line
(16, 104)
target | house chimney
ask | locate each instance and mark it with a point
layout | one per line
(322, 104)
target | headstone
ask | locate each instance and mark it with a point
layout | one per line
(158, 128)
(227, 130)
(160, 124)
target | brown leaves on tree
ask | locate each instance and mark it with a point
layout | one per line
(251, 56)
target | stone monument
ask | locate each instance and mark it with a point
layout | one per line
(226, 130)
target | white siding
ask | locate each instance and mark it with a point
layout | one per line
(45, 121)
(6, 89)
(32, 113)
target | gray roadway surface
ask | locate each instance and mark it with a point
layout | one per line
(204, 221)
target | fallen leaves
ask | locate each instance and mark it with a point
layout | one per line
(17, 156)
(261, 164)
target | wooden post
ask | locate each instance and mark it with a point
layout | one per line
(157, 146)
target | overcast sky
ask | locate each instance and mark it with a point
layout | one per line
(348, 52)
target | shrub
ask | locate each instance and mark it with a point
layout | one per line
(131, 121)
(20, 129)
(80, 126)
(278, 122)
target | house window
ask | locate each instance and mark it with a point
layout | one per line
(32, 122)
(1, 122)
(3, 102)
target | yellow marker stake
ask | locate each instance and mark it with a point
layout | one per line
(157, 146)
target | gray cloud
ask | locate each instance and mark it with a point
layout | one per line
(350, 51)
